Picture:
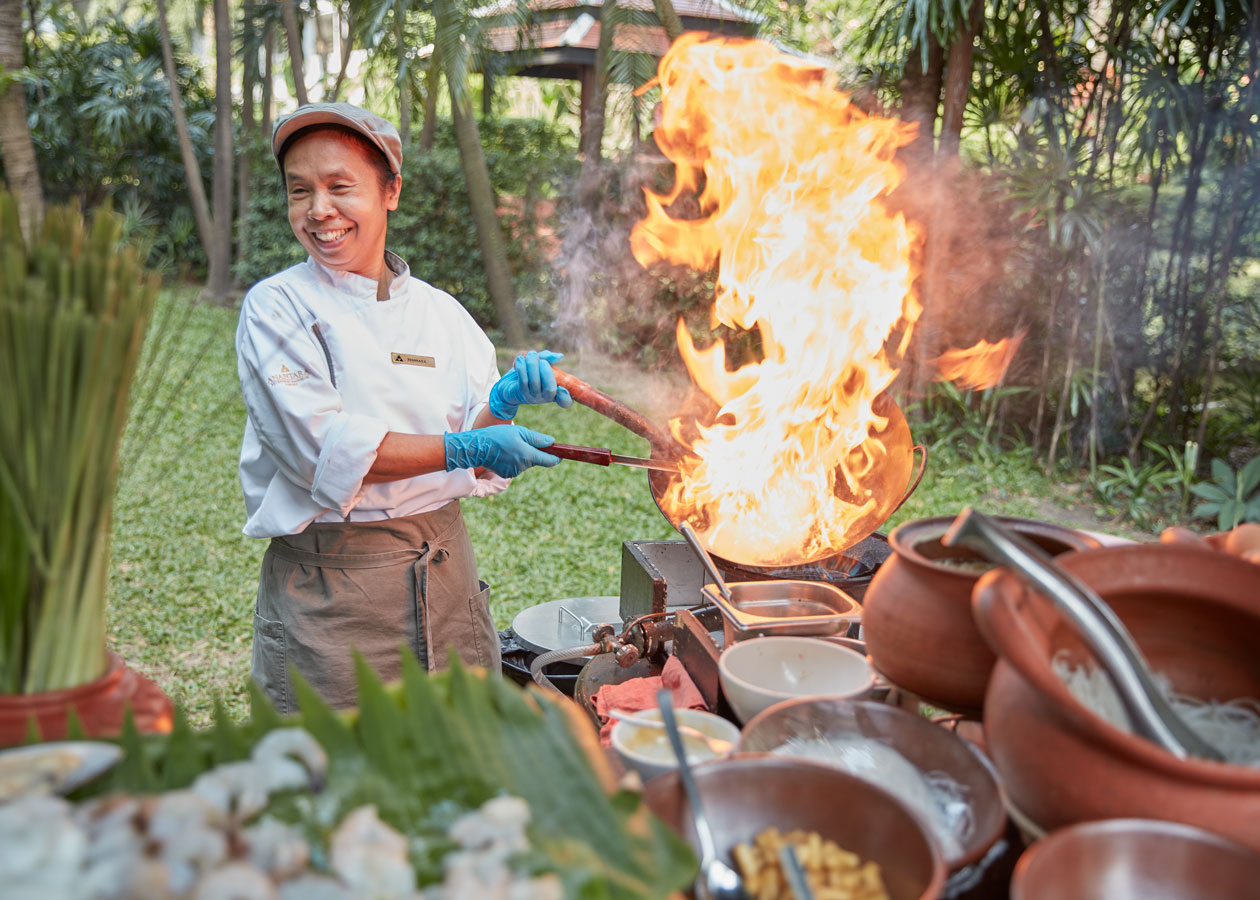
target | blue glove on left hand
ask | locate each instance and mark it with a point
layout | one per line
(530, 381)
(506, 450)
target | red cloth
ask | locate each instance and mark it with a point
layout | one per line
(640, 693)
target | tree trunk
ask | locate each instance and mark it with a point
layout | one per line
(486, 218)
(347, 47)
(403, 75)
(433, 85)
(958, 79)
(221, 221)
(1100, 314)
(589, 180)
(269, 57)
(1064, 395)
(21, 171)
(1043, 386)
(668, 18)
(293, 32)
(192, 171)
(245, 163)
(921, 95)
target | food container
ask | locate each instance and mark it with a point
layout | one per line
(1135, 859)
(759, 673)
(783, 607)
(647, 750)
(745, 795)
(929, 749)
(916, 616)
(1195, 615)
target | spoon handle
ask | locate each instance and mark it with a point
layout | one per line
(718, 745)
(1094, 622)
(708, 850)
(794, 873)
(694, 540)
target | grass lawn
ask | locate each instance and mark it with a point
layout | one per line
(184, 577)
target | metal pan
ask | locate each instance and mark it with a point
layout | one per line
(897, 464)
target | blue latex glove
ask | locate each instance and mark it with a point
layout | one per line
(530, 381)
(506, 450)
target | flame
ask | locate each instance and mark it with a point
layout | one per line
(979, 366)
(790, 176)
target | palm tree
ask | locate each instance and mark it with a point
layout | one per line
(18, 153)
(192, 169)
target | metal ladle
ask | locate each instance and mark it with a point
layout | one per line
(1094, 622)
(717, 880)
(694, 540)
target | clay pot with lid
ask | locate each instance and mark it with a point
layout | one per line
(1195, 614)
(916, 616)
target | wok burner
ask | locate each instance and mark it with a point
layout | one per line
(658, 576)
(851, 571)
(665, 577)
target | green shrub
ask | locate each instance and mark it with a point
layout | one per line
(101, 121)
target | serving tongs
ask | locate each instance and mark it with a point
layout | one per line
(1094, 622)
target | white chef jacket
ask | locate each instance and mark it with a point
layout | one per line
(326, 370)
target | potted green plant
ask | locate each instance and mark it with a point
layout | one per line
(74, 307)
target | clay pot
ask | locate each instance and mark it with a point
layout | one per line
(916, 616)
(1151, 860)
(100, 706)
(1195, 614)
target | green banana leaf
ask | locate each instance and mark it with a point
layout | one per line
(431, 747)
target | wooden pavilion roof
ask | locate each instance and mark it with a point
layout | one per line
(563, 40)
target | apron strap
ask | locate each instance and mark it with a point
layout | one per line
(355, 560)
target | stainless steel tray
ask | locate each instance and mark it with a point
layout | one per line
(785, 607)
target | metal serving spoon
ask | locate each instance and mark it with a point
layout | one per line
(716, 744)
(794, 872)
(717, 880)
(1094, 622)
(694, 540)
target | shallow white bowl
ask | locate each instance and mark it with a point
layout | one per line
(646, 750)
(758, 673)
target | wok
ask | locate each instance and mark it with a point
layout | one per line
(895, 463)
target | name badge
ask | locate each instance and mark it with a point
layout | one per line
(410, 359)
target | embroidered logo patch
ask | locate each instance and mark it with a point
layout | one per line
(410, 359)
(288, 376)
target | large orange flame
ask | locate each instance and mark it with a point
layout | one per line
(979, 366)
(790, 176)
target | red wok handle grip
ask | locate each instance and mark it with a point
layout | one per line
(614, 409)
(593, 455)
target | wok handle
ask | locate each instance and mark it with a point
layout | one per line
(616, 410)
(917, 478)
(595, 455)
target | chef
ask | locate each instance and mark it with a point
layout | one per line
(374, 405)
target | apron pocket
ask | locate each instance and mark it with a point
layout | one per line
(269, 666)
(485, 636)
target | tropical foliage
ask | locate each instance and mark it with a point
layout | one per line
(426, 750)
(102, 125)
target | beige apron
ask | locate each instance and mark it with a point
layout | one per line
(372, 587)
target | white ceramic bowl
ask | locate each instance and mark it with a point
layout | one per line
(646, 750)
(758, 673)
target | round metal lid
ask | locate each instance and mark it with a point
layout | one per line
(558, 624)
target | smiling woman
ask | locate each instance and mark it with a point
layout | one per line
(374, 404)
(340, 189)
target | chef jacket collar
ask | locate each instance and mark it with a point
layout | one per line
(360, 286)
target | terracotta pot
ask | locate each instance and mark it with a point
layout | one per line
(916, 615)
(100, 706)
(1195, 614)
(1152, 860)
